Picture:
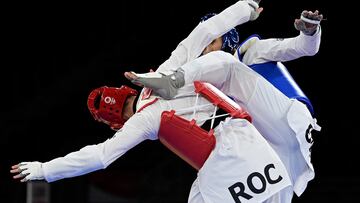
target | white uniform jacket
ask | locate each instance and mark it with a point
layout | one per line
(145, 124)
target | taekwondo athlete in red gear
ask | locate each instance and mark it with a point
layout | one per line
(104, 100)
(188, 50)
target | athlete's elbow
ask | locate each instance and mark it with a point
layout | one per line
(313, 52)
(313, 49)
(310, 51)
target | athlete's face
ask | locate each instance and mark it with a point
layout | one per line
(128, 109)
(213, 46)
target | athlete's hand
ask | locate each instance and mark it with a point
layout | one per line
(309, 22)
(255, 12)
(26, 171)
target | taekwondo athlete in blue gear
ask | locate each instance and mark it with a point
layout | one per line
(267, 63)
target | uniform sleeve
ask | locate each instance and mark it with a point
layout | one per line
(192, 47)
(283, 49)
(99, 156)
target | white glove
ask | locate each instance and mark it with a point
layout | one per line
(28, 171)
(308, 22)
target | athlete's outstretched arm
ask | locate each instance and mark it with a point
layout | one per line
(307, 43)
(204, 33)
(90, 158)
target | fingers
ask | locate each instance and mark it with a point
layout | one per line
(24, 180)
(20, 175)
(259, 10)
(299, 25)
(315, 15)
(17, 176)
(305, 13)
(296, 23)
(20, 170)
(16, 168)
(318, 17)
(15, 171)
(312, 15)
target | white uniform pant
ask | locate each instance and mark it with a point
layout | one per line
(284, 196)
(243, 167)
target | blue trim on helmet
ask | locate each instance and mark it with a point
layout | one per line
(230, 40)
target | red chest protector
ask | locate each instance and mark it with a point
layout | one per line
(185, 138)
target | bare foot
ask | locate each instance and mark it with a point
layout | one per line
(130, 76)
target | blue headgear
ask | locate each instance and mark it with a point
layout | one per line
(230, 39)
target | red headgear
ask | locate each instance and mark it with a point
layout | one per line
(106, 104)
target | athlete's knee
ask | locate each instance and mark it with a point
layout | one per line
(225, 56)
(227, 61)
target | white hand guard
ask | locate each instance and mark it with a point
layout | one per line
(31, 171)
(255, 5)
(308, 22)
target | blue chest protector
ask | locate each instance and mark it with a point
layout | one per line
(277, 74)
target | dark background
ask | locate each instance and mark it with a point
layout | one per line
(55, 54)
